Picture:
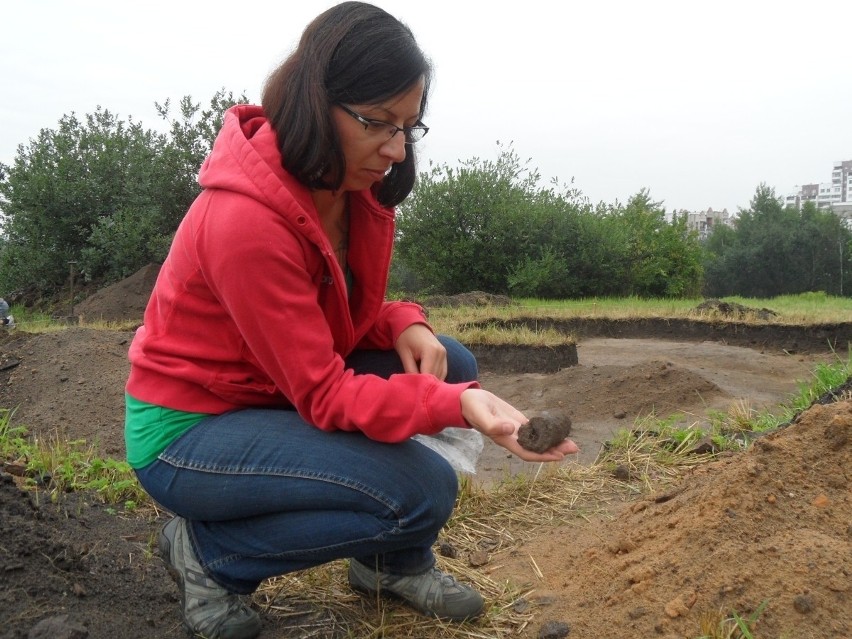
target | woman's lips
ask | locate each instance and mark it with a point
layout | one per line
(376, 175)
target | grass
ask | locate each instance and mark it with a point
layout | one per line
(59, 466)
(34, 321)
(740, 418)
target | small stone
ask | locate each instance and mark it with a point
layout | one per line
(622, 473)
(58, 627)
(520, 606)
(446, 549)
(803, 604)
(704, 446)
(820, 501)
(478, 558)
(18, 469)
(675, 608)
(636, 613)
(553, 630)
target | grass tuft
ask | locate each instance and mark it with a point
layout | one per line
(730, 626)
(59, 466)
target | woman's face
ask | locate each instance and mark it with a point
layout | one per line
(367, 148)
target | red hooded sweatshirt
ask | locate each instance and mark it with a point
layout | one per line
(251, 309)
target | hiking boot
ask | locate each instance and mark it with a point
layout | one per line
(433, 593)
(208, 609)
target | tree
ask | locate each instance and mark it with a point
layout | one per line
(101, 192)
(491, 226)
(62, 184)
(776, 251)
(640, 253)
(192, 131)
(486, 226)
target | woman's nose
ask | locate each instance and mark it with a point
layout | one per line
(394, 148)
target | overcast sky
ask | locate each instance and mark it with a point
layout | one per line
(697, 102)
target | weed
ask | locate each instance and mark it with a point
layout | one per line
(733, 626)
(66, 466)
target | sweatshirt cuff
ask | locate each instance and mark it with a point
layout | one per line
(443, 406)
(405, 314)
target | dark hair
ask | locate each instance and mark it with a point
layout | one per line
(352, 53)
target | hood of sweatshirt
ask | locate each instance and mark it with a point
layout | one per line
(245, 159)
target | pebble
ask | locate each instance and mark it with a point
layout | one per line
(554, 630)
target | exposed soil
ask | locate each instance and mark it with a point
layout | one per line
(773, 524)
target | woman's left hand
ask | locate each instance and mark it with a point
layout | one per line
(499, 420)
(421, 352)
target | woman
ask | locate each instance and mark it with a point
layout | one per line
(273, 393)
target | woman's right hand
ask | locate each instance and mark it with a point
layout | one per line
(500, 421)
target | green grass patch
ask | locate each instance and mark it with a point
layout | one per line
(59, 466)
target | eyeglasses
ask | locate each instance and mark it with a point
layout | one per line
(412, 134)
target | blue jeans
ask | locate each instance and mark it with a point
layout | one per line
(265, 493)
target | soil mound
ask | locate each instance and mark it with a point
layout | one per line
(732, 310)
(67, 385)
(767, 530)
(124, 300)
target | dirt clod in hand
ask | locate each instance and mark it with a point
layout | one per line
(544, 431)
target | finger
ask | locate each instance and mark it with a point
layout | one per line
(557, 453)
(434, 364)
(409, 364)
(568, 447)
(441, 369)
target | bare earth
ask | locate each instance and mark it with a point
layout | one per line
(772, 524)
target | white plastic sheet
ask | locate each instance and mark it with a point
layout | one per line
(459, 446)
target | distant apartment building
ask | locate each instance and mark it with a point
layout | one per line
(704, 222)
(835, 195)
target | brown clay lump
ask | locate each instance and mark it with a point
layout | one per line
(544, 431)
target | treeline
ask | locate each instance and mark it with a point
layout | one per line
(490, 226)
(105, 197)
